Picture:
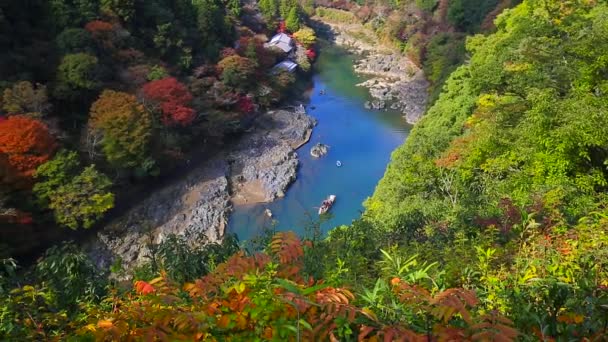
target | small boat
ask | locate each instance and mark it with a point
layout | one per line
(327, 204)
(338, 163)
(268, 213)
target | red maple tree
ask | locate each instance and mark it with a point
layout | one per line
(173, 99)
(27, 143)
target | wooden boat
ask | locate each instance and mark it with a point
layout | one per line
(327, 204)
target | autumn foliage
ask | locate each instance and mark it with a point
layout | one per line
(125, 126)
(267, 296)
(27, 144)
(173, 99)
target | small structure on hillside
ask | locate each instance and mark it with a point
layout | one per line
(282, 41)
(286, 65)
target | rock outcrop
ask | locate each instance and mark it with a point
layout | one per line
(199, 203)
(396, 83)
(319, 150)
(267, 157)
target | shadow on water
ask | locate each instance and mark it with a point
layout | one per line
(361, 139)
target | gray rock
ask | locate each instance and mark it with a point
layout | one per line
(319, 150)
(269, 155)
(197, 205)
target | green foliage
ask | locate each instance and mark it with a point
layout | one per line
(157, 72)
(74, 40)
(123, 127)
(73, 13)
(77, 72)
(185, 259)
(286, 6)
(467, 15)
(506, 162)
(124, 9)
(70, 275)
(292, 22)
(444, 53)
(54, 174)
(269, 9)
(26, 98)
(426, 5)
(335, 15)
(213, 25)
(78, 200)
(237, 71)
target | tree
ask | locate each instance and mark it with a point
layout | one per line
(74, 40)
(26, 142)
(25, 98)
(306, 36)
(125, 127)
(237, 71)
(269, 9)
(54, 174)
(73, 13)
(83, 200)
(173, 99)
(123, 9)
(214, 27)
(77, 198)
(234, 7)
(77, 72)
(285, 7)
(292, 22)
(426, 5)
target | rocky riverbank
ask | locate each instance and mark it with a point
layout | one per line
(396, 83)
(258, 168)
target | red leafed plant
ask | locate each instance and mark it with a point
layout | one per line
(245, 105)
(282, 27)
(311, 54)
(27, 143)
(99, 28)
(173, 99)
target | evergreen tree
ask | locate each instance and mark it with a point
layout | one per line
(292, 21)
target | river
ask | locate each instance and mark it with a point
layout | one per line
(361, 139)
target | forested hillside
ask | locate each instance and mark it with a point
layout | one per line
(490, 223)
(100, 99)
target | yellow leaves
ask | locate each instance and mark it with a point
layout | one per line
(369, 314)
(516, 67)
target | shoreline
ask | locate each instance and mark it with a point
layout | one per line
(396, 82)
(258, 168)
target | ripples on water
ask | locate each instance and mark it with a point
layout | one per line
(361, 139)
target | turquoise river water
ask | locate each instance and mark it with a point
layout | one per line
(361, 139)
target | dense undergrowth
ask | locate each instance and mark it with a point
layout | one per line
(490, 224)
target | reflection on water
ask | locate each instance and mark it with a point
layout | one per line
(361, 139)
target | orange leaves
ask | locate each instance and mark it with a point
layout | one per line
(493, 327)
(287, 247)
(143, 287)
(105, 324)
(27, 144)
(452, 301)
(455, 152)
